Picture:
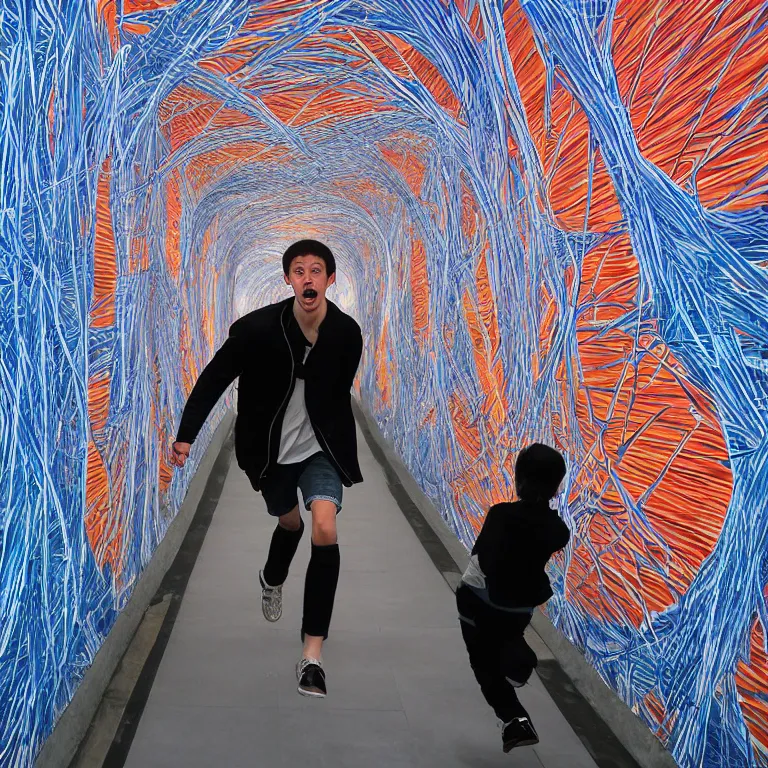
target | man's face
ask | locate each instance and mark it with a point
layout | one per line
(308, 278)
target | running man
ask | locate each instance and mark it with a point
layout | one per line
(296, 361)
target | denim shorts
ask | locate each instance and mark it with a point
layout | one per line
(315, 476)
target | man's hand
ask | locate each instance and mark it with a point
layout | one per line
(180, 453)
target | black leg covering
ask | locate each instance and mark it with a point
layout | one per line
(320, 590)
(281, 551)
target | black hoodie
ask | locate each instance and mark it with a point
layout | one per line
(513, 547)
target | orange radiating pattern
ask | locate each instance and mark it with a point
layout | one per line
(386, 49)
(136, 27)
(138, 257)
(484, 481)
(142, 6)
(103, 530)
(665, 82)
(407, 163)
(472, 219)
(481, 321)
(486, 303)
(164, 468)
(476, 24)
(107, 10)
(212, 275)
(464, 427)
(300, 106)
(481, 483)
(104, 255)
(563, 149)
(173, 224)
(659, 715)
(682, 91)
(383, 377)
(189, 366)
(419, 290)
(546, 329)
(406, 61)
(209, 167)
(654, 441)
(366, 194)
(268, 15)
(98, 401)
(188, 113)
(470, 10)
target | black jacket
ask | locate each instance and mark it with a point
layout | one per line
(262, 350)
(513, 547)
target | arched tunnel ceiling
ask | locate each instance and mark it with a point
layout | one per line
(550, 218)
(300, 112)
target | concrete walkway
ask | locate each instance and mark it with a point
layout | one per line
(400, 689)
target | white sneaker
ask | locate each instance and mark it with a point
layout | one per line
(271, 600)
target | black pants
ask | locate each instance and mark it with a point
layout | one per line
(497, 651)
(320, 583)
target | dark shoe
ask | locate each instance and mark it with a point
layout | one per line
(519, 733)
(311, 677)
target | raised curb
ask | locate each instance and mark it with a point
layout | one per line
(62, 745)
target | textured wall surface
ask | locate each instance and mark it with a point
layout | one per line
(551, 220)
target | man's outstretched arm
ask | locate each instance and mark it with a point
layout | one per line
(223, 369)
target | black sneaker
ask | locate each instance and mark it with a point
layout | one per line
(311, 677)
(519, 733)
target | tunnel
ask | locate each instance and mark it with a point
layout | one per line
(550, 219)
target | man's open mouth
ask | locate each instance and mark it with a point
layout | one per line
(310, 293)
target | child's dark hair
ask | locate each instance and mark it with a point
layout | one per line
(539, 470)
(305, 247)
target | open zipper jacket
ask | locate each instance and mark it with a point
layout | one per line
(260, 351)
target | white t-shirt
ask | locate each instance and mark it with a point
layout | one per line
(297, 441)
(474, 576)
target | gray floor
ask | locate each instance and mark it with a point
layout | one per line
(401, 692)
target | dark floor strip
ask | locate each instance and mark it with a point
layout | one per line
(599, 740)
(174, 584)
(606, 750)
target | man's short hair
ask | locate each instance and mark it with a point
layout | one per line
(305, 247)
(539, 470)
